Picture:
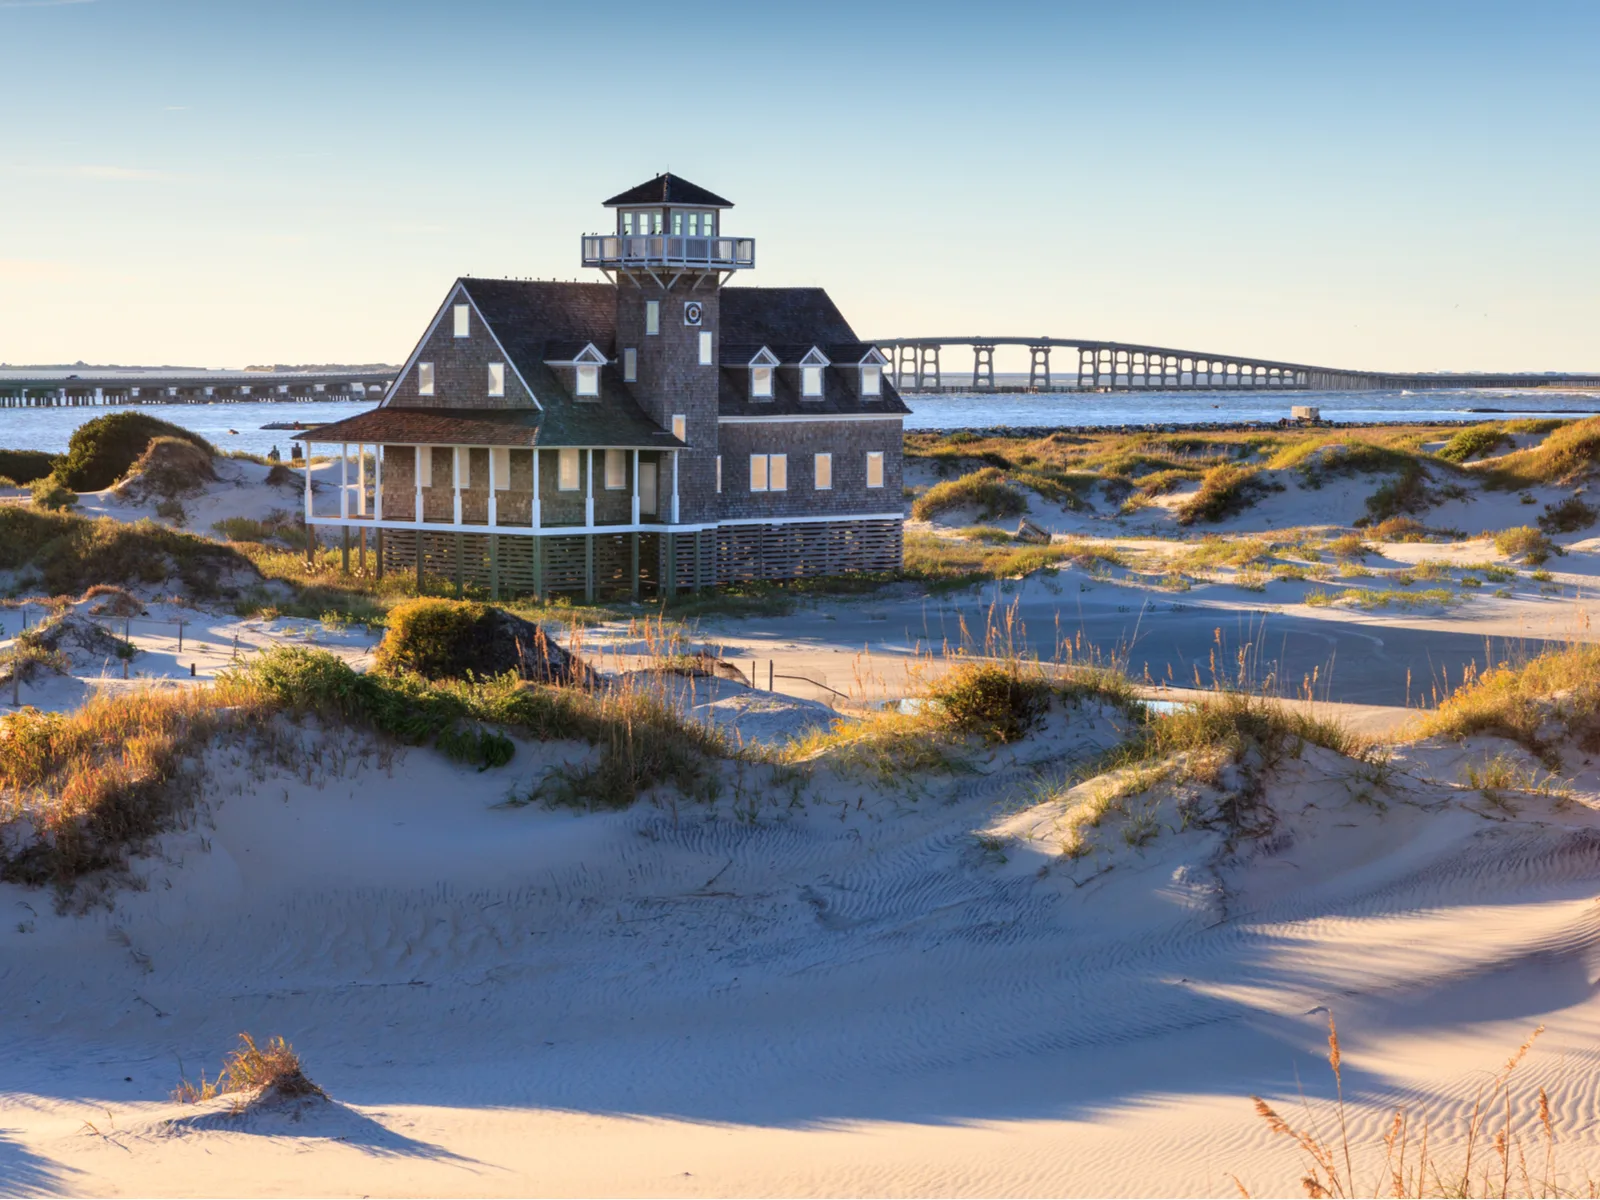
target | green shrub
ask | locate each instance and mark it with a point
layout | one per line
(1407, 492)
(1473, 442)
(1525, 542)
(985, 490)
(50, 495)
(1225, 490)
(995, 703)
(22, 467)
(101, 451)
(1569, 516)
(430, 636)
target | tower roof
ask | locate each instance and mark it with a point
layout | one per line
(668, 189)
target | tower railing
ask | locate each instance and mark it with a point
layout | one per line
(666, 250)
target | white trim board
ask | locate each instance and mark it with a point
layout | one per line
(573, 530)
(781, 417)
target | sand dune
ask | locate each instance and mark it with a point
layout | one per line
(850, 989)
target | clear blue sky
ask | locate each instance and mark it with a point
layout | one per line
(222, 182)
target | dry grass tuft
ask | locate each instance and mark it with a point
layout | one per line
(1569, 453)
(1503, 1151)
(986, 490)
(1549, 699)
(274, 1072)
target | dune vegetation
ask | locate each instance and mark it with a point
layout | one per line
(1538, 704)
(101, 451)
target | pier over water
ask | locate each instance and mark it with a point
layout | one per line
(91, 388)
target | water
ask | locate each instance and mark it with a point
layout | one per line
(49, 428)
(1020, 410)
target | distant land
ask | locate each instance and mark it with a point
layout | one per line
(282, 367)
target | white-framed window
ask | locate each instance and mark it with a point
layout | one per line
(567, 469)
(616, 470)
(677, 224)
(463, 467)
(761, 383)
(588, 379)
(769, 472)
(811, 381)
(424, 379)
(680, 427)
(463, 321)
(500, 467)
(822, 471)
(705, 349)
(497, 379)
(627, 224)
(871, 381)
(874, 468)
(630, 365)
(652, 317)
(719, 474)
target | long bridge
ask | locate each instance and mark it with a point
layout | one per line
(93, 388)
(1123, 366)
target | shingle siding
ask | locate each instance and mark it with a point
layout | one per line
(460, 370)
(847, 441)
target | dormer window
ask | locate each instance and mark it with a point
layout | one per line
(588, 379)
(761, 368)
(811, 374)
(871, 382)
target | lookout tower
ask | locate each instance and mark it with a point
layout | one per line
(669, 258)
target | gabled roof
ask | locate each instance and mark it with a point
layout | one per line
(562, 353)
(668, 189)
(791, 322)
(797, 316)
(589, 425)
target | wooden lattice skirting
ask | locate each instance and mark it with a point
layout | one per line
(622, 563)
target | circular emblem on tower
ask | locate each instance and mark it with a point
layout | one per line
(691, 312)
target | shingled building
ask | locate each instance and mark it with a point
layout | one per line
(656, 431)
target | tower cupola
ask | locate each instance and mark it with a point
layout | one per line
(668, 224)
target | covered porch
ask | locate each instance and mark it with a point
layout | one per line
(511, 519)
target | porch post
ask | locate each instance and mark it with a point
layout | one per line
(533, 508)
(674, 487)
(636, 499)
(455, 477)
(588, 492)
(377, 485)
(344, 480)
(421, 450)
(492, 514)
(361, 480)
